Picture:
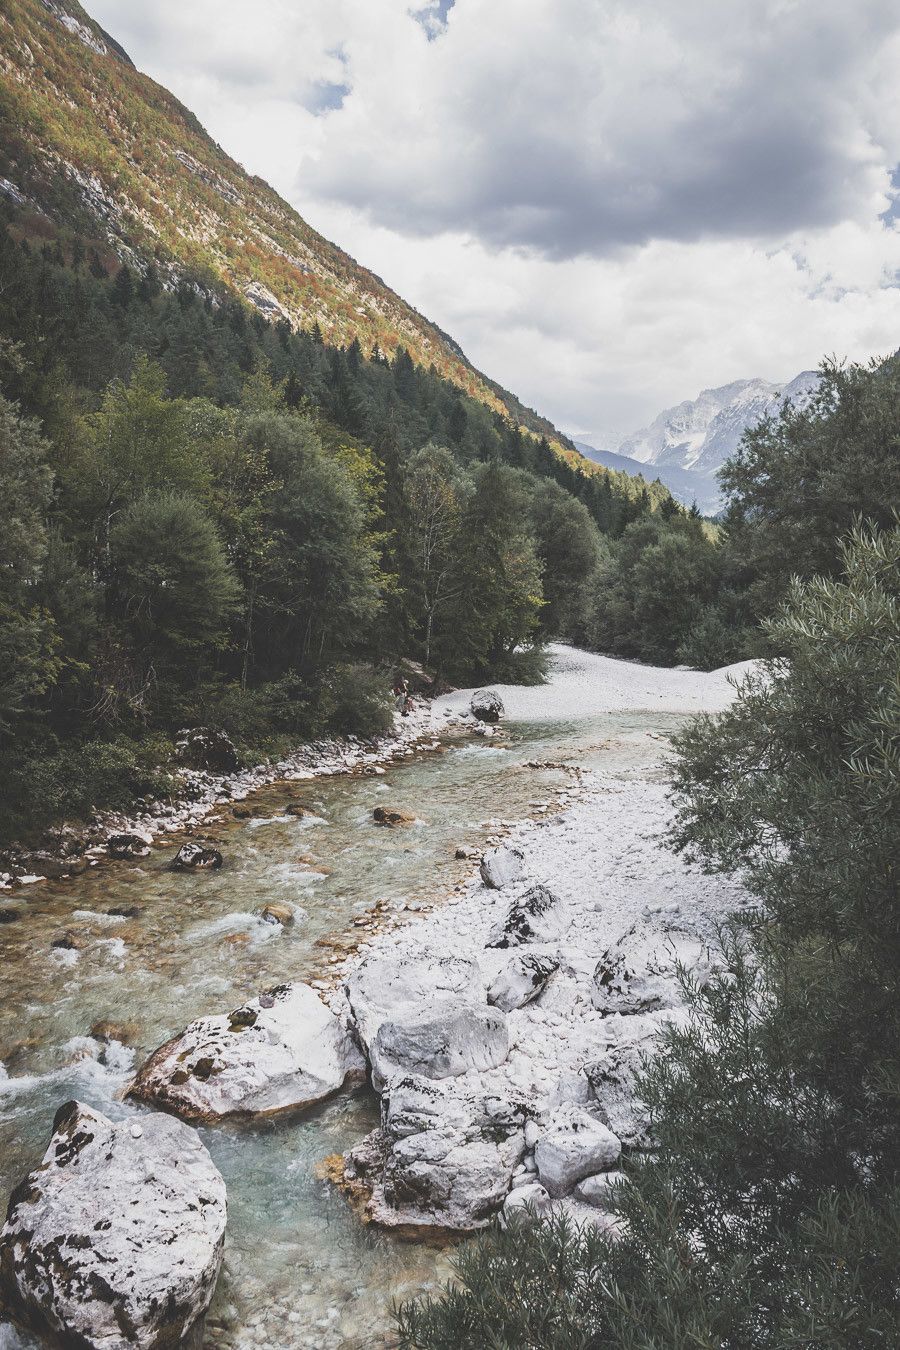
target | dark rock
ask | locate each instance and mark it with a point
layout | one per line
(127, 846)
(126, 911)
(190, 857)
(299, 809)
(206, 748)
(10, 915)
(242, 813)
(391, 816)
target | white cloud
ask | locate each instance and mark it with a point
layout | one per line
(610, 205)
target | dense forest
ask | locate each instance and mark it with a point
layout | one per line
(214, 519)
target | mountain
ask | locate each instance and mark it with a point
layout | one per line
(91, 146)
(697, 436)
(685, 486)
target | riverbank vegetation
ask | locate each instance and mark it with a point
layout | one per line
(214, 519)
(768, 1216)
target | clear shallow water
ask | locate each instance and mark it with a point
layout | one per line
(300, 1270)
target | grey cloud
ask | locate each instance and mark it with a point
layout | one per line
(757, 139)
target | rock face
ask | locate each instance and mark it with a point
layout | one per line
(486, 705)
(206, 748)
(441, 1040)
(534, 917)
(521, 980)
(281, 1051)
(573, 1146)
(116, 1239)
(192, 857)
(501, 867)
(124, 846)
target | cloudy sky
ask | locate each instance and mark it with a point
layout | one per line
(611, 204)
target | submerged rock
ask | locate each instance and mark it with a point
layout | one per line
(521, 980)
(572, 1146)
(277, 913)
(442, 1040)
(191, 857)
(281, 1051)
(116, 1238)
(486, 705)
(391, 816)
(534, 917)
(502, 866)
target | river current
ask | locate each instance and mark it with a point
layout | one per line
(300, 1270)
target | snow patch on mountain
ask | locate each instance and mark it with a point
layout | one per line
(700, 434)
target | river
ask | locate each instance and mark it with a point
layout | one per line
(300, 1270)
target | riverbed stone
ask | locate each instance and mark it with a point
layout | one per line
(389, 981)
(598, 1190)
(125, 846)
(192, 857)
(392, 816)
(444, 1157)
(537, 916)
(116, 1238)
(521, 980)
(486, 705)
(442, 1040)
(281, 1051)
(502, 866)
(640, 972)
(573, 1145)
(531, 1200)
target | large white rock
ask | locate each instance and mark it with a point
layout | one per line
(486, 705)
(283, 1050)
(502, 866)
(441, 1040)
(385, 984)
(640, 972)
(531, 1199)
(537, 916)
(520, 980)
(573, 1145)
(443, 1157)
(115, 1240)
(598, 1190)
(612, 1080)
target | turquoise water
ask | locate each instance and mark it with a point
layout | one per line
(300, 1270)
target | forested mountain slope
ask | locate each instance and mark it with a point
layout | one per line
(90, 143)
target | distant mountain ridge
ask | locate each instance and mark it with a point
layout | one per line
(698, 435)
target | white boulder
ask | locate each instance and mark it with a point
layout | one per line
(573, 1145)
(502, 866)
(486, 705)
(441, 1040)
(640, 972)
(612, 1081)
(532, 1199)
(520, 980)
(116, 1239)
(598, 1190)
(537, 916)
(383, 985)
(282, 1050)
